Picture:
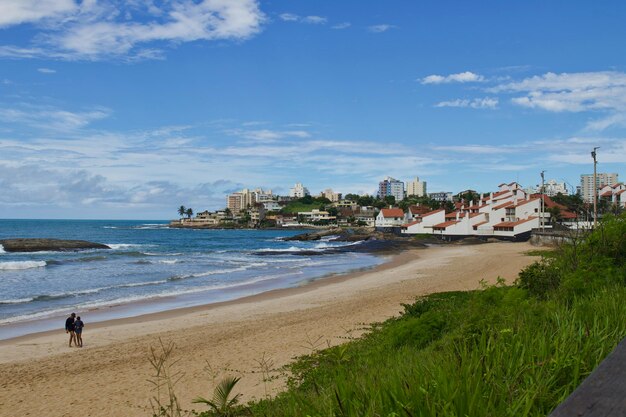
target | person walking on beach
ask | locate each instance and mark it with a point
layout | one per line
(69, 328)
(78, 329)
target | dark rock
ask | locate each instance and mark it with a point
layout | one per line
(38, 245)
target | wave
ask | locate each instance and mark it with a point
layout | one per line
(119, 246)
(170, 261)
(69, 294)
(216, 271)
(89, 305)
(289, 249)
(2, 249)
(18, 265)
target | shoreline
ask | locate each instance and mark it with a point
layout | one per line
(389, 261)
(232, 339)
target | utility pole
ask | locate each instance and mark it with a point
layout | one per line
(595, 188)
(542, 202)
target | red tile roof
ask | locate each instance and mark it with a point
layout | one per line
(522, 202)
(418, 209)
(513, 224)
(479, 224)
(411, 224)
(620, 192)
(606, 194)
(616, 185)
(444, 225)
(393, 212)
(432, 212)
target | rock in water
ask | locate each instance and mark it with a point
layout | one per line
(38, 245)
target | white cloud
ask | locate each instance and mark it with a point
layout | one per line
(343, 25)
(380, 28)
(46, 70)
(267, 135)
(289, 17)
(97, 31)
(15, 12)
(461, 77)
(574, 92)
(50, 117)
(315, 20)
(477, 103)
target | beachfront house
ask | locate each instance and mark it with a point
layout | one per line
(389, 218)
(509, 213)
(316, 216)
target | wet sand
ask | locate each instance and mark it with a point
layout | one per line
(41, 376)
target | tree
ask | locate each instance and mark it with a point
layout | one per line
(307, 199)
(555, 214)
(366, 200)
(182, 211)
(189, 213)
(389, 200)
(227, 212)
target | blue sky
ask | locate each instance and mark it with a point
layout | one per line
(129, 109)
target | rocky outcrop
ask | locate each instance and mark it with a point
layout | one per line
(39, 245)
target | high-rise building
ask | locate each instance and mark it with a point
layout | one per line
(391, 186)
(586, 184)
(331, 195)
(240, 200)
(298, 191)
(416, 188)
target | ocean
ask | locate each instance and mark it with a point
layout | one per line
(152, 268)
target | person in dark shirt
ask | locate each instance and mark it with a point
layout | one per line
(69, 328)
(78, 330)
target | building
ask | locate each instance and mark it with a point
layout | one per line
(389, 218)
(509, 213)
(331, 195)
(602, 179)
(263, 196)
(551, 188)
(298, 191)
(241, 200)
(441, 196)
(391, 187)
(416, 188)
(271, 206)
(316, 216)
(614, 194)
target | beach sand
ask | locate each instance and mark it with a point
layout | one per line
(41, 376)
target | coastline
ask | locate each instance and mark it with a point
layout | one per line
(389, 261)
(234, 335)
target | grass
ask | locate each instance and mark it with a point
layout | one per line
(501, 351)
(546, 253)
(296, 207)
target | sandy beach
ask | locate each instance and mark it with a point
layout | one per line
(41, 376)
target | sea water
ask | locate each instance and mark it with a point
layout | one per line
(151, 267)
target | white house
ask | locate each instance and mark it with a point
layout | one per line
(390, 217)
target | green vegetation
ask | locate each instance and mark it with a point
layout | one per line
(546, 253)
(501, 351)
(306, 203)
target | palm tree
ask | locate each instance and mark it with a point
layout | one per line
(189, 213)
(221, 404)
(182, 211)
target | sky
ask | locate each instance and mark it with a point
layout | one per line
(129, 109)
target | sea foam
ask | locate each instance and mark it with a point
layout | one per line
(17, 265)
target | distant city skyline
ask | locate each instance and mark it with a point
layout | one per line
(126, 110)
